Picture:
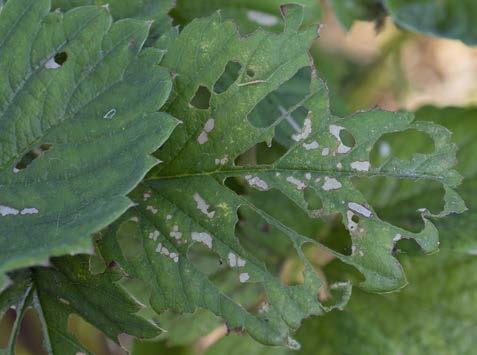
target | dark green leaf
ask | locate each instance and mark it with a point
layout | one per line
(78, 119)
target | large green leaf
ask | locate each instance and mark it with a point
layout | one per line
(96, 112)
(185, 201)
(68, 287)
(444, 18)
(154, 10)
(249, 14)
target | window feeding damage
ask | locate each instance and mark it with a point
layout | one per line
(262, 18)
(244, 277)
(311, 146)
(208, 127)
(305, 132)
(331, 184)
(335, 132)
(360, 165)
(203, 206)
(202, 237)
(300, 185)
(255, 181)
(10, 211)
(356, 207)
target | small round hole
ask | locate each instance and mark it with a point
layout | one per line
(60, 58)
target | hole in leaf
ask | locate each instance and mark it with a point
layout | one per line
(204, 259)
(396, 200)
(60, 58)
(86, 334)
(30, 156)
(347, 138)
(229, 76)
(313, 200)
(56, 61)
(337, 237)
(408, 247)
(235, 185)
(401, 145)
(250, 73)
(6, 325)
(262, 240)
(278, 102)
(261, 154)
(201, 99)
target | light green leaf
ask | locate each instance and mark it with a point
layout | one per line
(185, 201)
(444, 18)
(75, 136)
(154, 10)
(68, 287)
(248, 14)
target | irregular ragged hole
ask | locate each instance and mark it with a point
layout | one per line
(61, 57)
(278, 102)
(228, 77)
(347, 138)
(408, 247)
(269, 155)
(270, 246)
(30, 156)
(201, 99)
(401, 145)
(86, 334)
(250, 73)
(205, 259)
(386, 193)
(236, 185)
(338, 237)
(313, 200)
(262, 240)
(30, 335)
(56, 61)
(6, 325)
(337, 271)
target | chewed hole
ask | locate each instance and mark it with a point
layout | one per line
(6, 325)
(313, 200)
(85, 333)
(30, 156)
(338, 237)
(56, 61)
(229, 76)
(385, 194)
(407, 246)
(60, 58)
(250, 73)
(201, 99)
(401, 145)
(277, 104)
(347, 138)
